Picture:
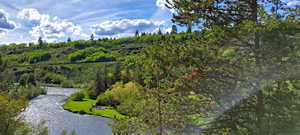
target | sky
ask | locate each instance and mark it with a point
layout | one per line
(56, 20)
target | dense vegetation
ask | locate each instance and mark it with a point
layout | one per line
(72, 64)
(14, 100)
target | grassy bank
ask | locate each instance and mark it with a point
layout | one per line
(83, 107)
(63, 86)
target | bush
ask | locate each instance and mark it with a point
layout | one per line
(82, 54)
(119, 93)
(107, 100)
(52, 78)
(31, 91)
(67, 84)
(92, 94)
(99, 57)
(79, 96)
(35, 56)
(82, 112)
(27, 79)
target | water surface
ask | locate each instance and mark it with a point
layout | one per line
(49, 108)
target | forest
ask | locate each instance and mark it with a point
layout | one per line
(238, 74)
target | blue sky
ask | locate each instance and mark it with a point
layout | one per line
(56, 20)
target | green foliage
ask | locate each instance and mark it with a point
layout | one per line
(82, 54)
(67, 84)
(99, 57)
(119, 93)
(40, 129)
(94, 54)
(3, 64)
(27, 79)
(30, 91)
(130, 61)
(10, 110)
(239, 79)
(34, 57)
(52, 78)
(85, 107)
(192, 12)
(104, 78)
(4, 78)
(107, 100)
(92, 94)
(78, 96)
(218, 80)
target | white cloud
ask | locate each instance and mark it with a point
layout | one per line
(125, 26)
(50, 28)
(31, 14)
(162, 4)
(5, 23)
(293, 3)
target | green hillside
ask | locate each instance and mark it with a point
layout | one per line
(74, 64)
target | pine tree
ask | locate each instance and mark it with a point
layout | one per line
(174, 29)
(69, 39)
(159, 32)
(228, 13)
(137, 33)
(92, 37)
(221, 13)
(40, 41)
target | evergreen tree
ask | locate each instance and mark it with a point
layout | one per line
(100, 83)
(92, 37)
(174, 29)
(40, 41)
(221, 13)
(137, 33)
(69, 39)
(159, 32)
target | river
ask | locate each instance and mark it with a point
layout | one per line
(49, 108)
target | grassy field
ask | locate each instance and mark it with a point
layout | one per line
(83, 107)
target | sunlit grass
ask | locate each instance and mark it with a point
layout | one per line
(83, 107)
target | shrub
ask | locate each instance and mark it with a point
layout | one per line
(31, 92)
(79, 96)
(27, 79)
(119, 93)
(107, 100)
(99, 57)
(82, 112)
(92, 94)
(52, 78)
(35, 56)
(82, 54)
(67, 84)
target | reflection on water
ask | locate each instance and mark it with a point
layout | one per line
(49, 107)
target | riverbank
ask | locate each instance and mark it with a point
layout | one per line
(79, 86)
(84, 107)
(49, 108)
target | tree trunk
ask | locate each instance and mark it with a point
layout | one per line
(259, 94)
(189, 28)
